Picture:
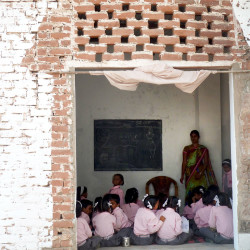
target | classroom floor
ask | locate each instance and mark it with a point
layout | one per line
(194, 246)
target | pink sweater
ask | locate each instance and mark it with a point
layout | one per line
(121, 219)
(202, 216)
(83, 231)
(130, 210)
(226, 184)
(118, 190)
(86, 217)
(159, 212)
(188, 212)
(104, 224)
(196, 206)
(146, 222)
(221, 218)
(171, 226)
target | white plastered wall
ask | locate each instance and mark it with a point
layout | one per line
(180, 113)
(26, 205)
(225, 117)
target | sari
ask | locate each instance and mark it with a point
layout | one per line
(196, 174)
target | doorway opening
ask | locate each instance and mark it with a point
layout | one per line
(207, 110)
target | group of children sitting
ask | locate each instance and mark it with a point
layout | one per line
(155, 220)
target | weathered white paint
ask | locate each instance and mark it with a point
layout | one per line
(241, 9)
(234, 163)
(96, 99)
(225, 117)
(25, 134)
(243, 241)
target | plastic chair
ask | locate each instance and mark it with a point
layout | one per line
(162, 184)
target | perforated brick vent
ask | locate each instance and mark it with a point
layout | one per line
(173, 30)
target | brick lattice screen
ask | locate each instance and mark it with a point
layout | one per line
(156, 30)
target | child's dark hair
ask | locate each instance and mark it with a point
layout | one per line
(115, 197)
(121, 177)
(86, 203)
(81, 190)
(224, 199)
(105, 203)
(162, 199)
(227, 162)
(173, 202)
(78, 209)
(214, 188)
(131, 195)
(150, 201)
(199, 190)
(189, 200)
(196, 132)
(98, 204)
(208, 198)
(78, 193)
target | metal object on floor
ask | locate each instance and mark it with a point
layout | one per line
(125, 241)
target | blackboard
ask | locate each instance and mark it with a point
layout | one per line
(127, 145)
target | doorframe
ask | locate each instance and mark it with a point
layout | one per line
(233, 161)
(124, 65)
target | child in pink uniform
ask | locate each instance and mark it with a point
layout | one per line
(87, 208)
(105, 224)
(117, 181)
(171, 231)
(131, 206)
(227, 177)
(197, 194)
(220, 222)
(97, 206)
(202, 215)
(85, 241)
(187, 210)
(146, 223)
(121, 217)
(197, 199)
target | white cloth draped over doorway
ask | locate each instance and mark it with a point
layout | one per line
(159, 74)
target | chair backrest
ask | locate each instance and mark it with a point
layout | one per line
(162, 184)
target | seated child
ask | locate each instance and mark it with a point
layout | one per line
(105, 224)
(121, 217)
(227, 177)
(87, 208)
(220, 222)
(187, 210)
(85, 241)
(146, 223)
(171, 231)
(97, 206)
(202, 215)
(117, 181)
(197, 201)
(131, 206)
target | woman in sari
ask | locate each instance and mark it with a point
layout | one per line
(196, 166)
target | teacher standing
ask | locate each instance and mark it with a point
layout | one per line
(196, 166)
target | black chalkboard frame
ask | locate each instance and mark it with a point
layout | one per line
(136, 147)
